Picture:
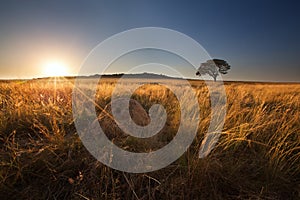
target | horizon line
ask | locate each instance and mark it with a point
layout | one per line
(162, 75)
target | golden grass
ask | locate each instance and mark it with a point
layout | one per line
(257, 156)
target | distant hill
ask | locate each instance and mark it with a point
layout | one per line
(137, 76)
(144, 75)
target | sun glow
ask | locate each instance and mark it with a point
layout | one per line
(55, 68)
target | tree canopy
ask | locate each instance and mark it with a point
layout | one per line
(213, 68)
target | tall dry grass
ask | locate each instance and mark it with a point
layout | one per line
(257, 156)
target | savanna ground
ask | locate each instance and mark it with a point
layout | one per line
(257, 156)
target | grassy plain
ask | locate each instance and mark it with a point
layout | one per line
(257, 156)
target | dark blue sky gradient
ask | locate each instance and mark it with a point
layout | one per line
(260, 39)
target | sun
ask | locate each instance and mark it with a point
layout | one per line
(55, 68)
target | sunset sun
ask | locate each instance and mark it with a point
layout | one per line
(55, 68)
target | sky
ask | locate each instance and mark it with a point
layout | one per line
(259, 39)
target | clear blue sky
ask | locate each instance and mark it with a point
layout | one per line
(260, 39)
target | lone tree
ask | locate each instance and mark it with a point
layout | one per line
(213, 68)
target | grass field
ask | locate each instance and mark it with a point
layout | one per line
(257, 156)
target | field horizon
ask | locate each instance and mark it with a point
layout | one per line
(144, 75)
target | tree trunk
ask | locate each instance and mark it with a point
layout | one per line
(215, 78)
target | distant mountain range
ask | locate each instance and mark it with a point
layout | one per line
(144, 75)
